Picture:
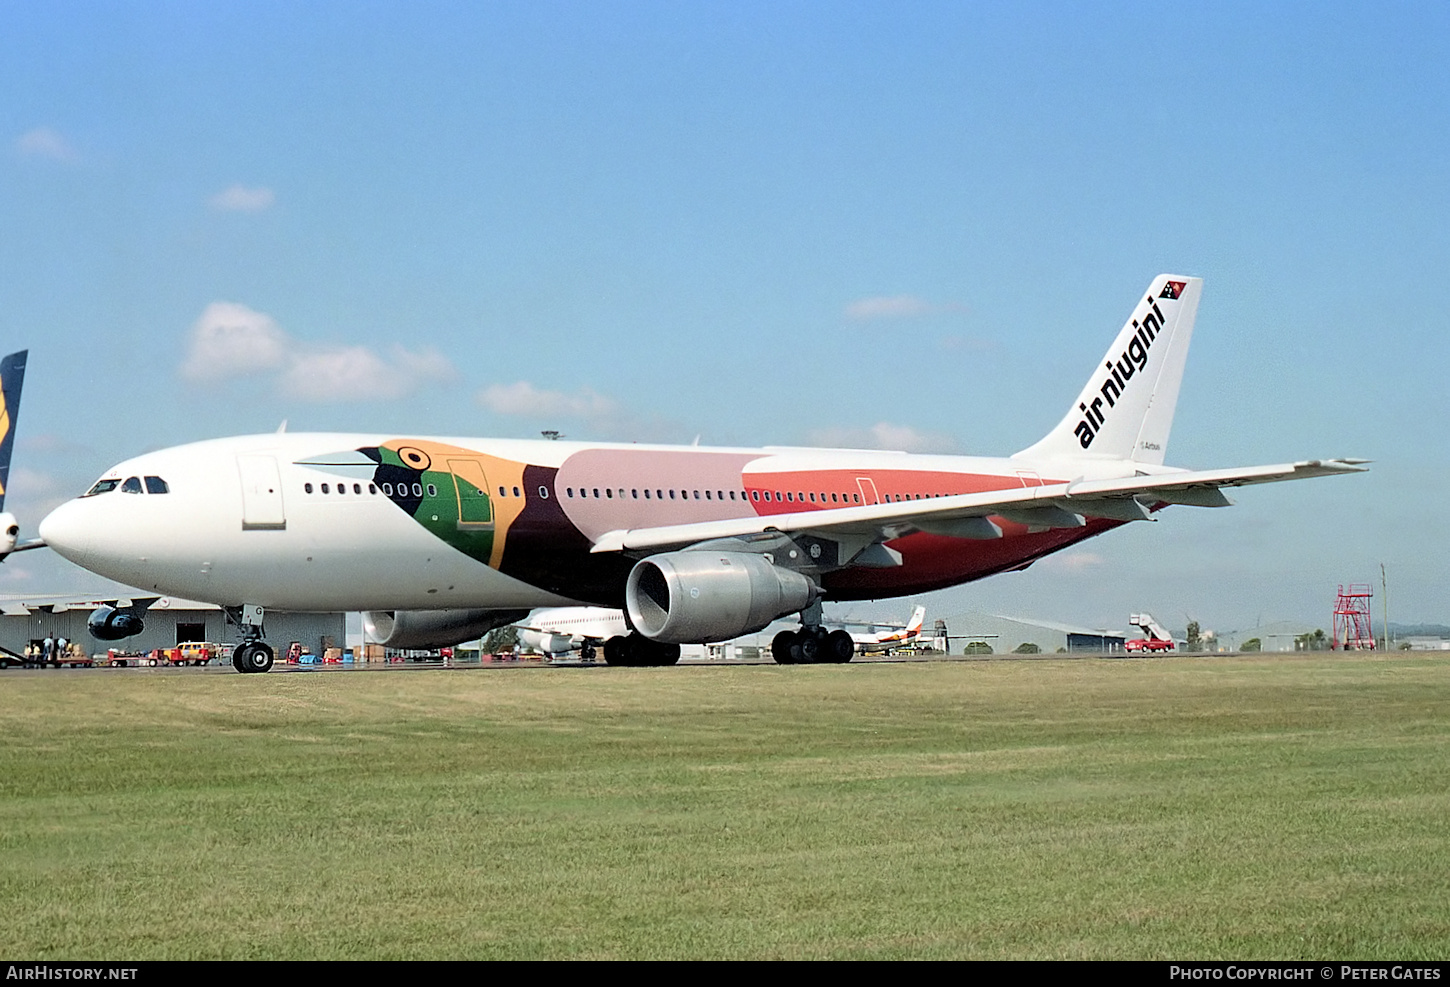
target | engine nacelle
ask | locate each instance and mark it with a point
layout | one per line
(424, 629)
(9, 533)
(695, 597)
(110, 624)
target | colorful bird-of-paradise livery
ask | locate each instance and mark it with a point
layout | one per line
(439, 538)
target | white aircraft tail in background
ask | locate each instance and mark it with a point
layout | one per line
(903, 637)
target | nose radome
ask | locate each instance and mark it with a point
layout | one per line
(66, 532)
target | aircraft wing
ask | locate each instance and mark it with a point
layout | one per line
(1057, 505)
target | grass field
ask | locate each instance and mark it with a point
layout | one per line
(1154, 808)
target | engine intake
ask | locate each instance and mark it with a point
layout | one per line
(110, 624)
(694, 597)
(423, 629)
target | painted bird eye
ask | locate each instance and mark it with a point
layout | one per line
(414, 458)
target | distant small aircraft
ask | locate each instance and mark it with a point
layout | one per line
(900, 637)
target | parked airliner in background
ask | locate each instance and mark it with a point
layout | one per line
(560, 630)
(445, 538)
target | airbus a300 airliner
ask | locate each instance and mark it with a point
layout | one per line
(445, 538)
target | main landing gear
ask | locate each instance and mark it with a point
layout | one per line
(637, 651)
(812, 644)
(253, 654)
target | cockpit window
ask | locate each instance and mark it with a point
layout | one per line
(102, 486)
(154, 484)
(132, 485)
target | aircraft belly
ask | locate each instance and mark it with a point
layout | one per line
(932, 562)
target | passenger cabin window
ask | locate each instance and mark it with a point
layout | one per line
(102, 486)
(132, 485)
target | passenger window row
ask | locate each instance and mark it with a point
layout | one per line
(154, 484)
(637, 494)
(777, 496)
(387, 489)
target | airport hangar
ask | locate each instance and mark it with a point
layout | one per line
(1004, 635)
(169, 622)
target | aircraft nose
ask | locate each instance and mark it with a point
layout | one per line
(66, 532)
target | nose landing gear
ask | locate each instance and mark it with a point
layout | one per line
(253, 654)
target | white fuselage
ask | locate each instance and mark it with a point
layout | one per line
(244, 520)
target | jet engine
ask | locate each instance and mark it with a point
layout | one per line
(110, 624)
(693, 597)
(9, 532)
(422, 629)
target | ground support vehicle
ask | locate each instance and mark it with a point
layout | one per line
(116, 658)
(1144, 644)
(195, 653)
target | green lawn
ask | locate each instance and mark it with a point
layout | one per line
(1149, 808)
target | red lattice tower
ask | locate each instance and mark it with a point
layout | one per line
(1351, 618)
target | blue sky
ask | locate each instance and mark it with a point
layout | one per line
(914, 225)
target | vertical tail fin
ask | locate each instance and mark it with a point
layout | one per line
(1125, 411)
(918, 616)
(12, 376)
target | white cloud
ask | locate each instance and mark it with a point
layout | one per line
(887, 307)
(44, 142)
(240, 198)
(893, 307)
(1075, 561)
(231, 340)
(527, 401)
(356, 373)
(602, 416)
(884, 435)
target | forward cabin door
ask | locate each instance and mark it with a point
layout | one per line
(475, 509)
(261, 494)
